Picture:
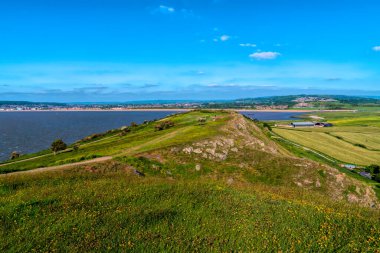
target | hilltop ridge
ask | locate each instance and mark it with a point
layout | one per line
(206, 180)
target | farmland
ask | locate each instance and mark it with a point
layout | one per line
(327, 143)
(355, 137)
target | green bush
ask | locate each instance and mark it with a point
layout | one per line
(164, 125)
(58, 145)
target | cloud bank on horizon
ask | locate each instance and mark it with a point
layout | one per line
(138, 50)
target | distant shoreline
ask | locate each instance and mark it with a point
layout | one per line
(176, 110)
(105, 110)
(295, 110)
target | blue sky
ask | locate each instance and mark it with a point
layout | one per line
(122, 50)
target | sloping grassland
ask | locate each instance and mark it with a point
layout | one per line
(213, 185)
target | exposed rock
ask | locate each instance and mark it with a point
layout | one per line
(188, 150)
(318, 183)
(198, 151)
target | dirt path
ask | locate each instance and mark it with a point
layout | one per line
(50, 154)
(60, 167)
(28, 159)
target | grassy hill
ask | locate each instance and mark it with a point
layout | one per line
(209, 181)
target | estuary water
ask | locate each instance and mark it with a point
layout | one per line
(267, 116)
(28, 132)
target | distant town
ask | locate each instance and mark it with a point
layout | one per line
(299, 102)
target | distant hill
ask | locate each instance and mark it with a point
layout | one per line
(28, 103)
(290, 100)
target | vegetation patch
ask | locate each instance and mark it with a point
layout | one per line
(219, 186)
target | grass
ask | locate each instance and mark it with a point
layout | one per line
(360, 118)
(141, 138)
(332, 146)
(369, 140)
(251, 201)
(115, 211)
(355, 137)
(306, 153)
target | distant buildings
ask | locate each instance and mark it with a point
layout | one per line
(365, 174)
(348, 166)
(311, 124)
(323, 124)
(313, 99)
(302, 124)
(302, 105)
(271, 107)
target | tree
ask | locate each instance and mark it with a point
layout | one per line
(375, 169)
(15, 155)
(267, 126)
(58, 145)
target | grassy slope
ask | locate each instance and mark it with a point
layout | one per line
(143, 137)
(78, 211)
(255, 199)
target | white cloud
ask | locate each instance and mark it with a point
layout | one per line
(224, 37)
(119, 78)
(376, 48)
(165, 9)
(264, 55)
(247, 45)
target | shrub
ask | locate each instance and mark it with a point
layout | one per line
(93, 136)
(266, 125)
(164, 125)
(58, 145)
(202, 120)
(15, 155)
(124, 131)
(375, 169)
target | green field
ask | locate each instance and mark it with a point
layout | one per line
(115, 211)
(355, 137)
(217, 186)
(340, 149)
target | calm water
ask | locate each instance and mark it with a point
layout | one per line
(28, 132)
(264, 116)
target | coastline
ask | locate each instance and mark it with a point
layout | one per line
(105, 110)
(176, 110)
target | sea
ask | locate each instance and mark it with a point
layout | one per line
(268, 116)
(29, 132)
